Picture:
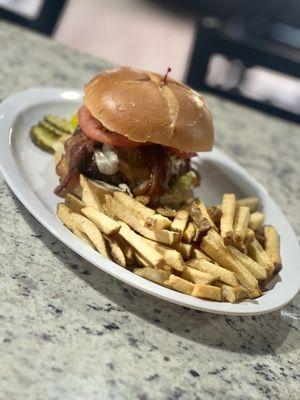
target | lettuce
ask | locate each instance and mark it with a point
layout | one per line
(180, 190)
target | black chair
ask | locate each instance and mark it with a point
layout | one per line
(44, 22)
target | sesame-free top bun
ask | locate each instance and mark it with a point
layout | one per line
(137, 104)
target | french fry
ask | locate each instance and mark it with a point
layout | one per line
(204, 212)
(256, 220)
(232, 294)
(259, 272)
(224, 274)
(197, 253)
(184, 248)
(99, 190)
(73, 203)
(256, 251)
(90, 229)
(143, 199)
(272, 246)
(253, 294)
(157, 222)
(123, 214)
(64, 214)
(89, 195)
(196, 276)
(115, 251)
(180, 221)
(132, 205)
(125, 247)
(249, 236)
(142, 261)
(189, 232)
(212, 245)
(171, 256)
(140, 246)
(207, 292)
(240, 224)
(106, 224)
(155, 275)
(251, 202)
(179, 284)
(215, 214)
(227, 218)
(82, 236)
(166, 212)
(202, 224)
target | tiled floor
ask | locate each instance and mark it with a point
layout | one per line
(129, 32)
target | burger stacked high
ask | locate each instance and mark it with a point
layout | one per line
(140, 129)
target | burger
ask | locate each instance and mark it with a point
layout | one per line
(137, 131)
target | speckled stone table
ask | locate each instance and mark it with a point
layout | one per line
(69, 331)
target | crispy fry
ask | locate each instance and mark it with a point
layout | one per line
(249, 236)
(256, 220)
(252, 266)
(64, 214)
(224, 274)
(132, 205)
(197, 253)
(141, 246)
(142, 261)
(99, 190)
(253, 294)
(171, 256)
(202, 224)
(115, 251)
(197, 276)
(179, 284)
(106, 224)
(166, 212)
(189, 232)
(82, 236)
(204, 212)
(258, 254)
(215, 214)
(240, 224)
(212, 245)
(123, 214)
(272, 246)
(155, 275)
(157, 222)
(89, 195)
(232, 294)
(73, 203)
(180, 221)
(184, 248)
(90, 229)
(207, 292)
(143, 199)
(251, 202)
(125, 247)
(227, 218)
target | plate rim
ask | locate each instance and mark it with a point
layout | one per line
(9, 110)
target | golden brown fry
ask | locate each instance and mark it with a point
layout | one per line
(232, 294)
(202, 224)
(207, 292)
(123, 214)
(256, 220)
(143, 199)
(82, 236)
(251, 202)
(184, 248)
(106, 224)
(179, 284)
(89, 195)
(240, 224)
(224, 274)
(249, 236)
(180, 221)
(140, 246)
(205, 213)
(253, 294)
(90, 229)
(125, 247)
(272, 246)
(132, 205)
(171, 256)
(142, 261)
(189, 232)
(212, 245)
(258, 254)
(227, 218)
(74, 203)
(166, 212)
(196, 276)
(157, 222)
(116, 253)
(197, 253)
(215, 214)
(155, 275)
(64, 214)
(258, 271)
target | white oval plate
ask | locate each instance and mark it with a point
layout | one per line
(30, 174)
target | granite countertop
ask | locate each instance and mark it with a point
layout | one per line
(69, 331)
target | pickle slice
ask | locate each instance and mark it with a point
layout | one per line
(51, 128)
(59, 123)
(43, 138)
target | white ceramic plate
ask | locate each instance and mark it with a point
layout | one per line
(30, 174)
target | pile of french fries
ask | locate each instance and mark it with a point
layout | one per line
(220, 253)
